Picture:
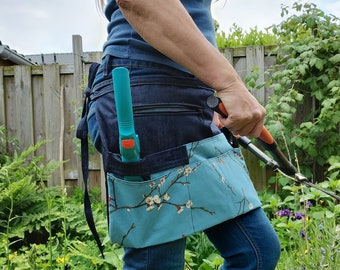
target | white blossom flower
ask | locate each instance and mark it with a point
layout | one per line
(152, 184)
(161, 182)
(188, 204)
(150, 207)
(187, 171)
(149, 200)
(166, 197)
(157, 199)
(251, 206)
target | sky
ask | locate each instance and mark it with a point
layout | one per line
(47, 26)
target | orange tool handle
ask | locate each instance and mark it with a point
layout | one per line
(216, 104)
(265, 138)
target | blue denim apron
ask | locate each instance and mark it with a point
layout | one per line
(193, 178)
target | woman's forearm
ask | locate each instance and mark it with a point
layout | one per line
(167, 26)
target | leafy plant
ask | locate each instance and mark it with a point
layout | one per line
(204, 253)
(307, 223)
(238, 37)
(6, 143)
(306, 85)
(22, 204)
(43, 228)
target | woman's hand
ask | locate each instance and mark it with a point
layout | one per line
(245, 114)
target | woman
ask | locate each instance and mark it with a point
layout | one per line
(169, 48)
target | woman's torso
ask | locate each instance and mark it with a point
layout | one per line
(124, 42)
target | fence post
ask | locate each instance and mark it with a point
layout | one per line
(78, 73)
(77, 46)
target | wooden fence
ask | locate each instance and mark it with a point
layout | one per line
(41, 102)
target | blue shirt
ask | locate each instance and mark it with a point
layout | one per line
(124, 42)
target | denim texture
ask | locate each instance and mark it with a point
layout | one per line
(247, 242)
(169, 106)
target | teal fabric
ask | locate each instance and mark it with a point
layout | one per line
(213, 187)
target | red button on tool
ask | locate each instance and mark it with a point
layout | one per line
(128, 143)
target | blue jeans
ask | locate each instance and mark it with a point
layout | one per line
(247, 242)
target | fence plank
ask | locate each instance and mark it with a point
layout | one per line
(10, 102)
(38, 110)
(228, 54)
(72, 112)
(24, 111)
(255, 62)
(52, 115)
(2, 98)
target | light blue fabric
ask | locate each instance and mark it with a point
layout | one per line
(124, 42)
(175, 203)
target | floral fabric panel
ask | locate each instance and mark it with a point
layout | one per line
(175, 203)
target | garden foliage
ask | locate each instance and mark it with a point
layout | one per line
(237, 37)
(43, 227)
(305, 105)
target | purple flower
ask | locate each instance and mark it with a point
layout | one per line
(302, 234)
(309, 204)
(298, 215)
(283, 213)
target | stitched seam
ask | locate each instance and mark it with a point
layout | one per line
(253, 245)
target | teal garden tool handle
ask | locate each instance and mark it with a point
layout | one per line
(128, 139)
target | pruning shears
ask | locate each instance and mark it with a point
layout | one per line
(279, 163)
(128, 139)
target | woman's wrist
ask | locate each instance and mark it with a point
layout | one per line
(226, 78)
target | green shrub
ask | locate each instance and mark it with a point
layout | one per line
(238, 37)
(305, 105)
(43, 228)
